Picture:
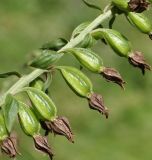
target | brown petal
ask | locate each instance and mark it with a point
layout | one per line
(59, 126)
(41, 144)
(8, 147)
(137, 60)
(112, 75)
(96, 103)
(138, 5)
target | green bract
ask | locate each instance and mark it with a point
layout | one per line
(121, 4)
(45, 59)
(28, 121)
(117, 41)
(3, 130)
(87, 58)
(10, 111)
(140, 21)
(79, 82)
(43, 105)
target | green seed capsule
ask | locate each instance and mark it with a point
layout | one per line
(79, 82)
(3, 130)
(45, 59)
(121, 4)
(140, 21)
(117, 41)
(87, 58)
(43, 105)
(28, 120)
(38, 84)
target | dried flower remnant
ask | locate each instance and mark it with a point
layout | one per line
(8, 147)
(41, 144)
(138, 5)
(96, 103)
(137, 60)
(112, 75)
(59, 126)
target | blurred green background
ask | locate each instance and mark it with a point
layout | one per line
(127, 135)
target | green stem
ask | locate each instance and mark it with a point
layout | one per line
(25, 80)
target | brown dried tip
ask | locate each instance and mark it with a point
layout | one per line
(138, 5)
(112, 75)
(96, 103)
(59, 126)
(41, 144)
(8, 147)
(137, 60)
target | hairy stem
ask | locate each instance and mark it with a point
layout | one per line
(25, 80)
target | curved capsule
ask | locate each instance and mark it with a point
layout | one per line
(28, 120)
(3, 130)
(121, 4)
(140, 21)
(79, 82)
(45, 59)
(37, 83)
(87, 58)
(43, 105)
(117, 41)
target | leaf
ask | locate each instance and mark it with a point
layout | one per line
(91, 5)
(10, 111)
(7, 74)
(55, 45)
(46, 59)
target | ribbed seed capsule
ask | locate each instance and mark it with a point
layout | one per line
(3, 130)
(38, 84)
(45, 59)
(117, 41)
(87, 58)
(43, 105)
(131, 5)
(28, 120)
(94, 63)
(79, 82)
(141, 22)
(121, 4)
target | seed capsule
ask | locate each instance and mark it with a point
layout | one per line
(131, 5)
(28, 121)
(38, 84)
(141, 22)
(43, 105)
(45, 59)
(117, 41)
(87, 58)
(79, 82)
(121, 4)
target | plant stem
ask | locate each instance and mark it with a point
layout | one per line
(25, 80)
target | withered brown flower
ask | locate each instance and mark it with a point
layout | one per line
(112, 75)
(9, 147)
(138, 5)
(96, 103)
(41, 144)
(59, 126)
(137, 60)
